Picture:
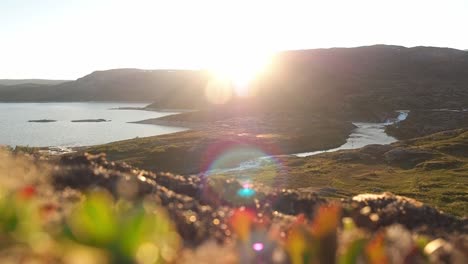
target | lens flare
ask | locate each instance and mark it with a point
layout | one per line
(237, 161)
(237, 158)
(258, 246)
(246, 192)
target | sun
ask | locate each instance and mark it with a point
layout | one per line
(240, 69)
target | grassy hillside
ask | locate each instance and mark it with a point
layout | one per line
(425, 122)
(365, 81)
(433, 169)
(187, 152)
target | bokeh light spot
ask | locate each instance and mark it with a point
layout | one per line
(246, 192)
(258, 246)
(147, 253)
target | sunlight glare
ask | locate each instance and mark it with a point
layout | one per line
(240, 68)
(218, 90)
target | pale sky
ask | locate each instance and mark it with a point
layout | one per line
(67, 39)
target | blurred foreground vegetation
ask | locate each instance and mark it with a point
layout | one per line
(100, 229)
(41, 224)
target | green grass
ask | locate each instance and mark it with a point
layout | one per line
(445, 188)
(185, 152)
(429, 181)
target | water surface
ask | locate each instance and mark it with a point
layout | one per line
(365, 134)
(16, 130)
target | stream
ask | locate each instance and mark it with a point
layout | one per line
(364, 134)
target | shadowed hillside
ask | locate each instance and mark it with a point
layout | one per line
(30, 81)
(425, 122)
(175, 88)
(366, 81)
(363, 83)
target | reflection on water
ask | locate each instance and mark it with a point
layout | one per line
(365, 134)
(16, 130)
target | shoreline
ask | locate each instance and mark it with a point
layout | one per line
(65, 149)
(162, 110)
(172, 123)
(359, 134)
(61, 150)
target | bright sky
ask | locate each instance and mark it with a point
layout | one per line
(66, 39)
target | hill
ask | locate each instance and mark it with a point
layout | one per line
(364, 83)
(433, 169)
(425, 122)
(189, 151)
(367, 80)
(177, 87)
(31, 81)
(361, 83)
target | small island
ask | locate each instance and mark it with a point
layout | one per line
(128, 108)
(42, 121)
(90, 120)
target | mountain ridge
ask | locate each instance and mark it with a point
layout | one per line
(362, 81)
(31, 81)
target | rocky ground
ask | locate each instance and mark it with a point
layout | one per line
(228, 222)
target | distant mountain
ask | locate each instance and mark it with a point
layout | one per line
(366, 80)
(363, 81)
(30, 81)
(176, 87)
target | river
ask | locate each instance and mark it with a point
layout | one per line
(365, 134)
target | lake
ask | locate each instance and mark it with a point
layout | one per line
(16, 130)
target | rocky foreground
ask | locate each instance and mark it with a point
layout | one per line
(224, 221)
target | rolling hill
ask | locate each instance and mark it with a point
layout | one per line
(177, 87)
(30, 81)
(365, 82)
